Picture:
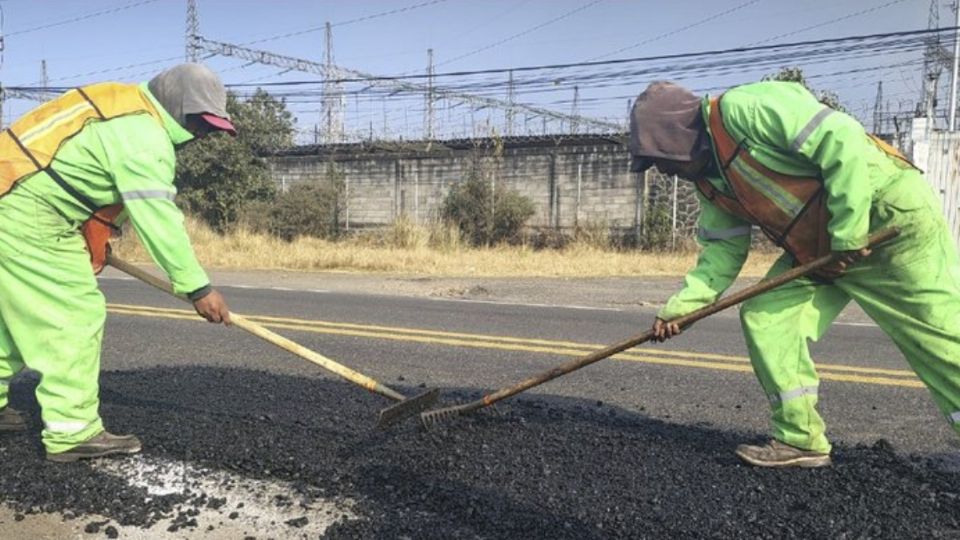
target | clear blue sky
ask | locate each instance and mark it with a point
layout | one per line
(464, 35)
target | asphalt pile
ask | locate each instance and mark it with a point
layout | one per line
(534, 468)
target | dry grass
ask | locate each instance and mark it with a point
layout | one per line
(435, 251)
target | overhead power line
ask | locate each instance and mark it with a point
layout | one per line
(827, 23)
(364, 18)
(81, 17)
(617, 62)
(523, 33)
(678, 30)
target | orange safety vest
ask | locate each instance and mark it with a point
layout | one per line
(30, 144)
(801, 232)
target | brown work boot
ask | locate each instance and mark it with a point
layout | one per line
(778, 454)
(11, 420)
(100, 445)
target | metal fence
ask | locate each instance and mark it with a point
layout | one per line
(937, 153)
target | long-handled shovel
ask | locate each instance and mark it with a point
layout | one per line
(431, 418)
(395, 413)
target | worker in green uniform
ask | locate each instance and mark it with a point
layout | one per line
(768, 155)
(106, 144)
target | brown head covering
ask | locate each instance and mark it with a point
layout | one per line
(666, 122)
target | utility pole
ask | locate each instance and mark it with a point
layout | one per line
(192, 53)
(956, 64)
(510, 110)
(428, 105)
(575, 111)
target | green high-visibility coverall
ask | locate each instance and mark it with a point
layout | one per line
(910, 287)
(51, 311)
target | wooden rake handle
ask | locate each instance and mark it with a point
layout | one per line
(353, 376)
(684, 321)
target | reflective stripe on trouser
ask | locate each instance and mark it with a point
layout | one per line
(910, 287)
(53, 314)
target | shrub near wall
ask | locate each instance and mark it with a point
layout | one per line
(304, 210)
(485, 215)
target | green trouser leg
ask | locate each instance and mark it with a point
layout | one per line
(10, 363)
(54, 314)
(777, 325)
(910, 287)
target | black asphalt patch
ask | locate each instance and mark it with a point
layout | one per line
(535, 468)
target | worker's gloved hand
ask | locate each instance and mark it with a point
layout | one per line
(837, 268)
(662, 330)
(213, 308)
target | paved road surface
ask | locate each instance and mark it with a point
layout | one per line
(466, 336)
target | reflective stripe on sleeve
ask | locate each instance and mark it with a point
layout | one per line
(67, 427)
(4, 382)
(148, 194)
(723, 234)
(813, 124)
(955, 417)
(793, 394)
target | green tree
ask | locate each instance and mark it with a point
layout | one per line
(795, 74)
(219, 175)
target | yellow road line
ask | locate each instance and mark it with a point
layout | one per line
(506, 343)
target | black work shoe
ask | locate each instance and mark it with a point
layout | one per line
(11, 420)
(778, 454)
(100, 445)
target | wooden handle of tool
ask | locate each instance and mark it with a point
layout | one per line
(684, 321)
(264, 334)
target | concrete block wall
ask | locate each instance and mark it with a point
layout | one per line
(575, 181)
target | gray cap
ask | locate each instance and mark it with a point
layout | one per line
(666, 122)
(192, 89)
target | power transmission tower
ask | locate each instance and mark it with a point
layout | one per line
(221, 48)
(332, 101)
(878, 110)
(192, 53)
(44, 79)
(428, 104)
(931, 65)
(198, 45)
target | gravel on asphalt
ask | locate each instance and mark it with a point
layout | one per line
(544, 467)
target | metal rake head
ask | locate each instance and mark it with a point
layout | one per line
(430, 419)
(407, 408)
